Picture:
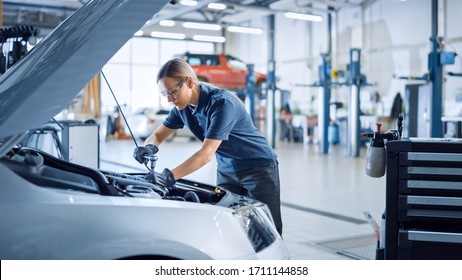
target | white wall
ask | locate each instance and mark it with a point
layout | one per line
(453, 33)
(132, 71)
(393, 37)
(249, 48)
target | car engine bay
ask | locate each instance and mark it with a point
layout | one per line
(48, 171)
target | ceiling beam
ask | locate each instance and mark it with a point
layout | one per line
(176, 13)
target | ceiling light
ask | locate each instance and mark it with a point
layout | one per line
(188, 3)
(216, 6)
(248, 30)
(203, 26)
(168, 35)
(303, 16)
(166, 22)
(215, 39)
(139, 33)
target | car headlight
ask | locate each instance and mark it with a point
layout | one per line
(257, 227)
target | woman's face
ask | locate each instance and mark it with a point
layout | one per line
(177, 92)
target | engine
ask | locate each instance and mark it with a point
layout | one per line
(45, 170)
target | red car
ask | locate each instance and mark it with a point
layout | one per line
(223, 71)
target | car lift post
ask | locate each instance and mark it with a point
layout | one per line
(326, 83)
(437, 58)
(250, 88)
(355, 82)
(435, 68)
(271, 85)
(324, 102)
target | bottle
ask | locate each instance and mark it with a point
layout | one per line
(375, 158)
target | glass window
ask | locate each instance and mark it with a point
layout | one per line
(169, 48)
(194, 60)
(132, 71)
(236, 63)
(211, 60)
(118, 77)
(145, 51)
(144, 91)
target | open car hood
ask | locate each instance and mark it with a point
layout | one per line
(46, 80)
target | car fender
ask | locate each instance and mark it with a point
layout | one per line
(47, 223)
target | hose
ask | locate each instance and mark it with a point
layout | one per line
(192, 197)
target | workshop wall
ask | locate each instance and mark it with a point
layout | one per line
(453, 85)
(392, 44)
(393, 37)
(250, 48)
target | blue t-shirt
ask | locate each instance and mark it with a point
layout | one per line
(220, 115)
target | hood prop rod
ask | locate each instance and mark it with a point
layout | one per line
(120, 109)
(122, 113)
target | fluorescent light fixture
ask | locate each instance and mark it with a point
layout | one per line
(168, 35)
(166, 22)
(248, 30)
(303, 16)
(139, 33)
(215, 39)
(203, 26)
(216, 6)
(188, 3)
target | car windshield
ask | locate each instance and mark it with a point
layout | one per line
(236, 63)
(200, 59)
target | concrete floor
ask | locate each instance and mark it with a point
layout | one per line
(323, 196)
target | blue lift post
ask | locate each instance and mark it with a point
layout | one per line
(271, 85)
(326, 83)
(437, 58)
(324, 116)
(250, 89)
(435, 69)
(355, 81)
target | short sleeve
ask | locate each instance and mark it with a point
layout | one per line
(222, 120)
(173, 120)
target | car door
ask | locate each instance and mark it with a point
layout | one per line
(208, 68)
(237, 71)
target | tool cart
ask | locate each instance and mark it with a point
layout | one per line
(423, 199)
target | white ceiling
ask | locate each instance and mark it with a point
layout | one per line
(46, 14)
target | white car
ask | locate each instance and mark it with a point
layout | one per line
(54, 209)
(145, 121)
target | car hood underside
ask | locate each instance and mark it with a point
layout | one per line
(46, 80)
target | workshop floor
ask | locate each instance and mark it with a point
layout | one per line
(323, 196)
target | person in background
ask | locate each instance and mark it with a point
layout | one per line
(396, 107)
(246, 163)
(287, 128)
